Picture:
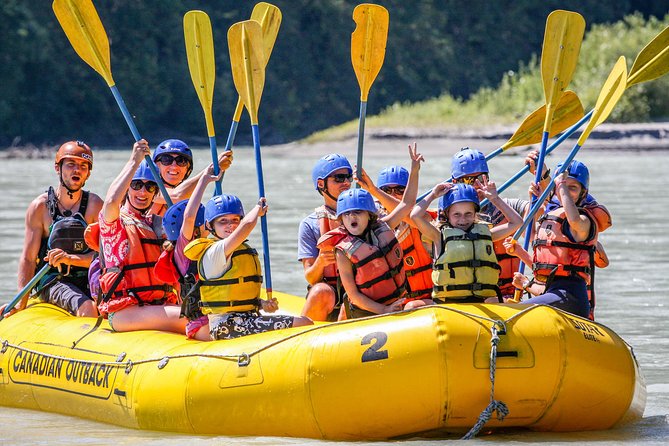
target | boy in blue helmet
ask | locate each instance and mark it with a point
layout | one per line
(466, 268)
(331, 175)
(565, 246)
(183, 222)
(230, 275)
(174, 160)
(130, 244)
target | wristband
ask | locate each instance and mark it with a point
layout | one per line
(546, 175)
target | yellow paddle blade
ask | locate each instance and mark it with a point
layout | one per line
(200, 54)
(653, 60)
(613, 89)
(248, 64)
(559, 54)
(368, 44)
(567, 112)
(269, 17)
(85, 31)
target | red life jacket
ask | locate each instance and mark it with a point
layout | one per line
(327, 221)
(602, 218)
(556, 255)
(133, 282)
(417, 262)
(378, 269)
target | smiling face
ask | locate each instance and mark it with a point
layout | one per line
(461, 215)
(172, 173)
(225, 225)
(74, 173)
(355, 222)
(141, 198)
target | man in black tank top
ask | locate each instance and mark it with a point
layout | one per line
(65, 210)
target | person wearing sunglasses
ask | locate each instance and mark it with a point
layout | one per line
(132, 296)
(174, 160)
(331, 175)
(44, 243)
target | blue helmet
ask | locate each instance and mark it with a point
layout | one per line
(174, 219)
(467, 162)
(144, 173)
(223, 204)
(458, 194)
(355, 200)
(176, 147)
(328, 164)
(578, 171)
(393, 176)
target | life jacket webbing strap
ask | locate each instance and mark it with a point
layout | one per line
(413, 272)
(470, 236)
(377, 255)
(233, 303)
(469, 263)
(236, 281)
(468, 287)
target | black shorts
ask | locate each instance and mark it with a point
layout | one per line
(64, 295)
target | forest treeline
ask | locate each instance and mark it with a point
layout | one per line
(435, 49)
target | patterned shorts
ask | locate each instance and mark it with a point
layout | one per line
(246, 323)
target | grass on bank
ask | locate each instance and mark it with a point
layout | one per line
(520, 92)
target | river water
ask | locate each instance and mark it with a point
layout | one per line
(633, 297)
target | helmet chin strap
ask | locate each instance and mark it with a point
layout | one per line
(324, 190)
(70, 192)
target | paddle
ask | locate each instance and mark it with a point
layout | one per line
(651, 62)
(559, 54)
(26, 290)
(85, 31)
(269, 17)
(248, 62)
(568, 111)
(613, 89)
(368, 49)
(200, 54)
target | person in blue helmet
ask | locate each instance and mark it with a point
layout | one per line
(132, 297)
(174, 160)
(466, 268)
(229, 273)
(389, 190)
(469, 166)
(183, 222)
(331, 175)
(566, 246)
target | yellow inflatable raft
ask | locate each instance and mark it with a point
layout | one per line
(421, 372)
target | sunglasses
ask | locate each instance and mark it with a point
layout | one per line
(342, 177)
(397, 190)
(150, 186)
(167, 160)
(472, 179)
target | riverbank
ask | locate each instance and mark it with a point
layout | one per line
(618, 137)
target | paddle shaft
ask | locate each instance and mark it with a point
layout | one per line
(233, 127)
(26, 289)
(263, 219)
(361, 137)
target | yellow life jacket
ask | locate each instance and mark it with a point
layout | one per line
(467, 266)
(238, 289)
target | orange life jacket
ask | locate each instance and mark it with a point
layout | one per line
(378, 269)
(327, 221)
(508, 264)
(556, 255)
(417, 262)
(134, 282)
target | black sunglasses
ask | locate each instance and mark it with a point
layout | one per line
(342, 177)
(150, 186)
(167, 160)
(399, 190)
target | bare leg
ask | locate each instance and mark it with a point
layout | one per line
(418, 303)
(88, 309)
(301, 321)
(202, 334)
(320, 302)
(150, 317)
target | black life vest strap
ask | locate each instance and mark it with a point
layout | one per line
(233, 303)
(377, 255)
(468, 287)
(417, 293)
(504, 256)
(571, 245)
(409, 249)
(470, 236)
(413, 272)
(469, 263)
(222, 282)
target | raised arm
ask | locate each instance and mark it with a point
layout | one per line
(419, 214)
(514, 220)
(403, 210)
(111, 207)
(245, 227)
(193, 205)
(579, 224)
